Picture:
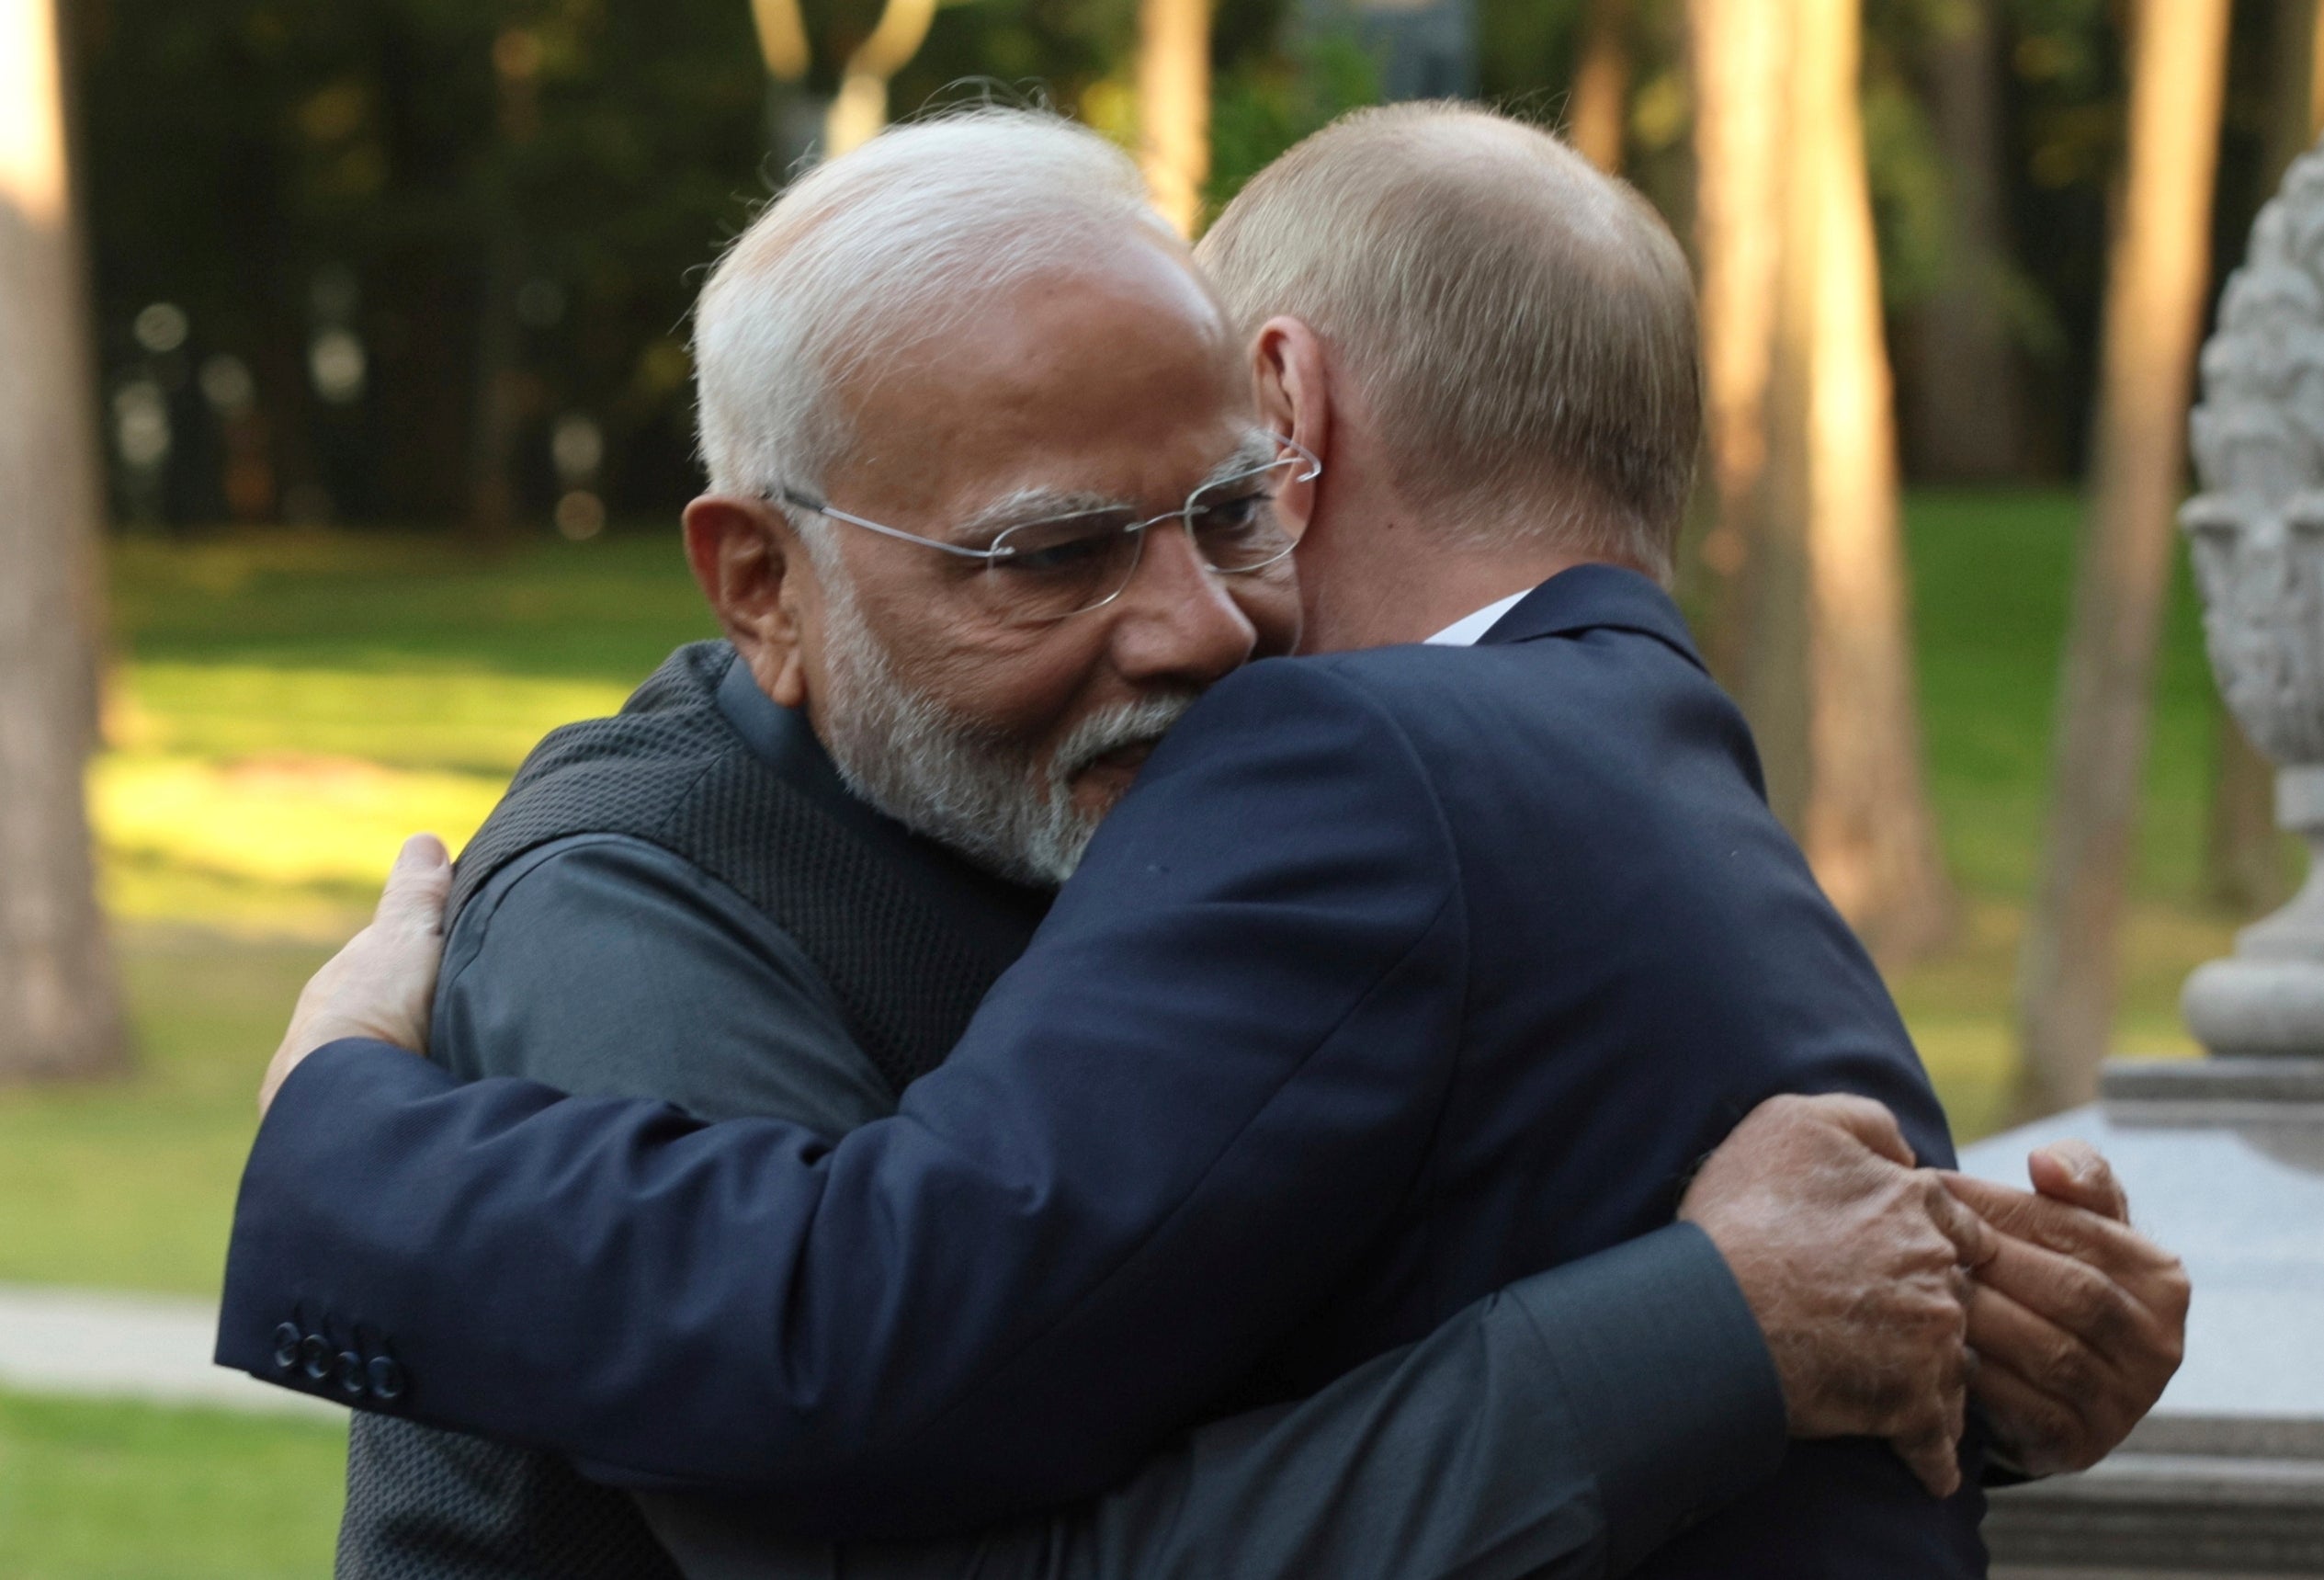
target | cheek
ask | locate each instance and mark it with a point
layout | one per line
(1018, 682)
(1269, 599)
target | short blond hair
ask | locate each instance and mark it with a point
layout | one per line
(1520, 325)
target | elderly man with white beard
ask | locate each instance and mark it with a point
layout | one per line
(988, 340)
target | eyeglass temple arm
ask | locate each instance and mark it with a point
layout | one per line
(800, 502)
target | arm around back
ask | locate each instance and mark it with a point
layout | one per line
(1562, 1429)
(1170, 1128)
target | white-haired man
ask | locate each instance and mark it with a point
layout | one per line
(1402, 972)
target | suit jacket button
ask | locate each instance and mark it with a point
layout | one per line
(387, 1380)
(351, 1382)
(287, 1339)
(316, 1356)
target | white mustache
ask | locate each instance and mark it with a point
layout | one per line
(1137, 723)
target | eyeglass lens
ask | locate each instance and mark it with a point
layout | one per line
(1048, 570)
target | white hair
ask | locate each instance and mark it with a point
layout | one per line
(879, 250)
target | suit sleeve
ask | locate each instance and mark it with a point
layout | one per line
(1168, 1133)
(1564, 1428)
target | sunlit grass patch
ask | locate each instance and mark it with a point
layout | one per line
(439, 716)
(285, 819)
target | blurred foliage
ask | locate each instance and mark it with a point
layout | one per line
(520, 195)
(1268, 101)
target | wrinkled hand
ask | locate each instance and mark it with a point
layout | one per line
(382, 984)
(1852, 1261)
(2078, 1321)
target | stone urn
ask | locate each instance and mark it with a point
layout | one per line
(2224, 1156)
(2256, 533)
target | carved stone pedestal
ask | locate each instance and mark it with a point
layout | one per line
(2224, 1159)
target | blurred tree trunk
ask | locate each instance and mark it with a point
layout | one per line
(1738, 55)
(860, 110)
(1964, 410)
(1863, 815)
(1173, 106)
(58, 1009)
(1599, 111)
(499, 395)
(797, 120)
(2157, 272)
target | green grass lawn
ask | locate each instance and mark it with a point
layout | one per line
(124, 1491)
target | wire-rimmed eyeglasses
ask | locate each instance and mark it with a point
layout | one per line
(1060, 565)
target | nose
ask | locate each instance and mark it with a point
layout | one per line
(1174, 622)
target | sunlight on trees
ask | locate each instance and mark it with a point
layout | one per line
(58, 1009)
(1598, 117)
(1173, 106)
(2158, 271)
(860, 109)
(1815, 631)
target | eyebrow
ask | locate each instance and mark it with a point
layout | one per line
(1029, 505)
(1256, 450)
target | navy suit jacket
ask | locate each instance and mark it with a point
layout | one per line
(1400, 974)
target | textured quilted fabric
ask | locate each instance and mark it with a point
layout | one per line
(427, 1504)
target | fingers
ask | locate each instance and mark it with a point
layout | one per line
(2023, 1342)
(1868, 1121)
(2087, 1237)
(2075, 1296)
(2043, 1433)
(1972, 1238)
(417, 886)
(2074, 1172)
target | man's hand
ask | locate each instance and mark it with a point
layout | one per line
(2078, 1321)
(1852, 1260)
(382, 984)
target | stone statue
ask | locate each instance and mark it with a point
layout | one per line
(2224, 1156)
(2257, 534)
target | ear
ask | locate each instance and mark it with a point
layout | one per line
(1293, 384)
(750, 564)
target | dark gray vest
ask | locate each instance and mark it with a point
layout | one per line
(906, 966)
(668, 768)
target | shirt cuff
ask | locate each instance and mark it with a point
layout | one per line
(1669, 1379)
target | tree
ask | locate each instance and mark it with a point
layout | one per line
(1173, 106)
(58, 1011)
(1866, 825)
(1822, 661)
(2157, 271)
(1600, 106)
(1964, 412)
(1738, 55)
(860, 109)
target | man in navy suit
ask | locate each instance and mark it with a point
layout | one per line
(1404, 972)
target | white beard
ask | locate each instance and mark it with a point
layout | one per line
(987, 798)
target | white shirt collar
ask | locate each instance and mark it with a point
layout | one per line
(1464, 631)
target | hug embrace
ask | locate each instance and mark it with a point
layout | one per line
(1202, 984)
